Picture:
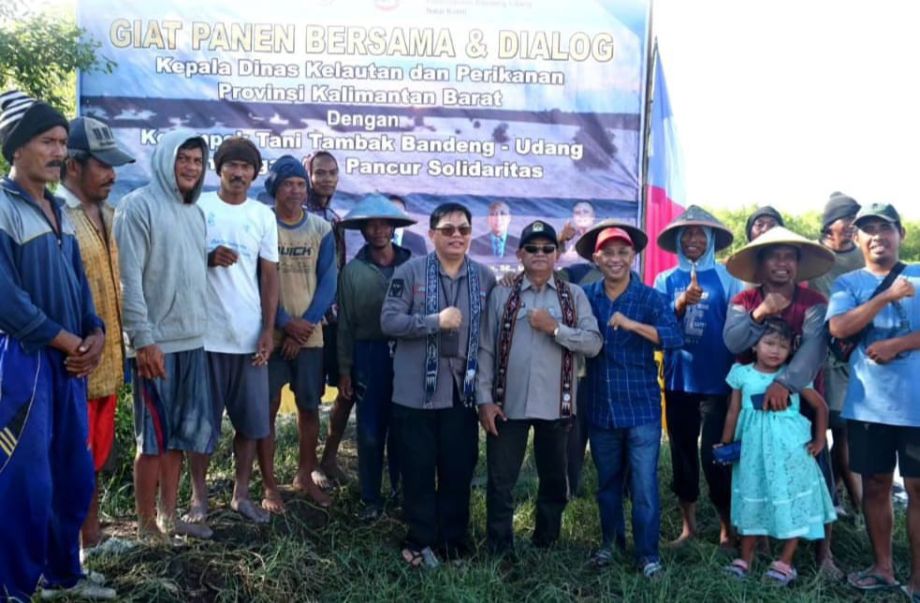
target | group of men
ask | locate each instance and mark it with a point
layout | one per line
(223, 301)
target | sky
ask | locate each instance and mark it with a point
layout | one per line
(784, 102)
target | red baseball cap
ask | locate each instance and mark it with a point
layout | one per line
(612, 234)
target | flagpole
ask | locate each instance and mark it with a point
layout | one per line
(647, 129)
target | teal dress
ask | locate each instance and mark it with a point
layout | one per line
(777, 488)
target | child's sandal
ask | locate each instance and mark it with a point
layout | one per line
(781, 574)
(737, 569)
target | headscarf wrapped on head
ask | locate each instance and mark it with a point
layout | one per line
(283, 168)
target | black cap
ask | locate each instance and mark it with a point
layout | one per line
(760, 212)
(538, 229)
(884, 211)
(96, 139)
(838, 206)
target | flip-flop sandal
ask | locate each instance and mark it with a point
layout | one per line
(424, 558)
(781, 574)
(914, 597)
(652, 570)
(868, 581)
(738, 568)
(601, 559)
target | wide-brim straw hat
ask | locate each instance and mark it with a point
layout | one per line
(585, 245)
(814, 259)
(694, 216)
(375, 207)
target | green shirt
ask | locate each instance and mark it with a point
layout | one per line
(362, 289)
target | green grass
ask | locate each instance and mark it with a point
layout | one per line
(315, 555)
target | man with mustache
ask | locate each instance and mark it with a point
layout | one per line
(534, 333)
(242, 242)
(50, 340)
(87, 178)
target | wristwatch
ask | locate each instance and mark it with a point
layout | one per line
(556, 331)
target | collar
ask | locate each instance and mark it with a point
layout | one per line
(526, 284)
(460, 273)
(11, 186)
(598, 290)
(496, 237)
(364, 255)
(70, 199)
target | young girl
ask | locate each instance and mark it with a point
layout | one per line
(777, 488)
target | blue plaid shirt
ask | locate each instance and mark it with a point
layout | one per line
(622, 380)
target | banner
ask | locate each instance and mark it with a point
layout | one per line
(520, 109)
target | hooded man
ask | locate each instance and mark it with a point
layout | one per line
(87, 178)
(307, 274)
(50, 340)
(699, 292)
(365, 353)
(534, 332)
(838, 232)
(625, 400)
(777, 262)
(162, 258)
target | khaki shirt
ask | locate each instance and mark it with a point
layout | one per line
(534, 383)
(99, 253)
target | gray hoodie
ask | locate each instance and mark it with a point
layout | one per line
(163, 256)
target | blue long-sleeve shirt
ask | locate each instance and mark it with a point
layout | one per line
(622, 380)
(44, 285)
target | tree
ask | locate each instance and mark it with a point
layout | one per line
(40, 54)
(807, 224)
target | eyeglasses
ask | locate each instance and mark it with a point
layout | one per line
(546, 249)
(449, 230)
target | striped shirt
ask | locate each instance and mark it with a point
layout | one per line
(622, 381)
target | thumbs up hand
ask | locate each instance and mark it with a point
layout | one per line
(691, 296)
(694, 292)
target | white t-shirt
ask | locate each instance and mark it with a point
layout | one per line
(234, 304)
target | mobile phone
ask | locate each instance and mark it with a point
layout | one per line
(757, 401)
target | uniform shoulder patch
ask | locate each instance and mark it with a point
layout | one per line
(397, 286)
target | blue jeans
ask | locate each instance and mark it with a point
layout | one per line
(372, 378)
(635, 448)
